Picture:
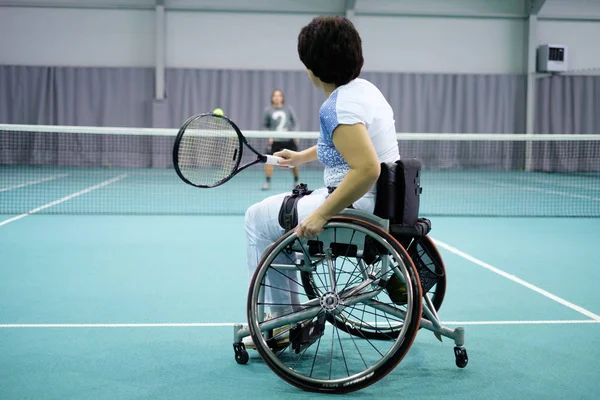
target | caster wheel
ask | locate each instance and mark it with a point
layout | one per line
(241, 355)
(461, 357)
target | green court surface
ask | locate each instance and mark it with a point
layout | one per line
(142, 307)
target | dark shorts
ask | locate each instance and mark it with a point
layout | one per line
(281, 145)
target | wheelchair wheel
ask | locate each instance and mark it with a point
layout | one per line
(432, 275)
(305, 338)
(431, 270)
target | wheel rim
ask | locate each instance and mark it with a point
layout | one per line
(339, 342)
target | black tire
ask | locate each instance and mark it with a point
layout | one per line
(462, 359)
(242, 357)
(389, 360)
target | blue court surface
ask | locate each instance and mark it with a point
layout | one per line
(129, 307)
(98, 303)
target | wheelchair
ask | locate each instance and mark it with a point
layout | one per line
(338, 312)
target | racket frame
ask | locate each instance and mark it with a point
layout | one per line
(261, 158)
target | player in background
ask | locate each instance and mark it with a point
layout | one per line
(280, 118)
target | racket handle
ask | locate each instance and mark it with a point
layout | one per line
(274, 160)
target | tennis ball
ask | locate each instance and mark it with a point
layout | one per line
(396, 290)
(218, 111)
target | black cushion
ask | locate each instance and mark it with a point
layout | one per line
(418, 230)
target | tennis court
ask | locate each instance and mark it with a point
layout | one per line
(123, 282)
(119, 280)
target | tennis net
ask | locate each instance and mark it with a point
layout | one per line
(92, 170)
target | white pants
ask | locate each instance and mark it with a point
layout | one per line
(262, 229)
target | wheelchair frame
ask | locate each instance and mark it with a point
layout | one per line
(428, 320)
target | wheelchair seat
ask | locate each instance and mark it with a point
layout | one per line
(397, 201)
(398, 198)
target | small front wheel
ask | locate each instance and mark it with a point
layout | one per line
(241, 355)
(462, 359)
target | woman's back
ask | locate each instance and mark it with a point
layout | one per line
(358, 101)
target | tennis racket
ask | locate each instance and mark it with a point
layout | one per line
(208, 151)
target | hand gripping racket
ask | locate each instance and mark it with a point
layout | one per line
(208, 151)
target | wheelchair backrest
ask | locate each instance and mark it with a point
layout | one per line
(399, 191)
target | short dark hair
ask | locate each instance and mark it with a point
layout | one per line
(332, 49)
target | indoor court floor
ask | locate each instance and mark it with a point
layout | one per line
(132, 307)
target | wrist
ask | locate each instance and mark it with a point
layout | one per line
(323, 215)
(309, 154)
(304, 156)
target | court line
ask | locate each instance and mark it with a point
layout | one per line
(30, 183)
(130, 325)
(533, 189)
(518, 280)
(231, 324)
(534, 322)
(69, 197)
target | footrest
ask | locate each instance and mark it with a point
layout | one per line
(305, 334)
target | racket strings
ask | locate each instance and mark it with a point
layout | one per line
(209, 151)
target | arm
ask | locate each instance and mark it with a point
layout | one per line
(297, 158)
(355, 146)
(309, 154)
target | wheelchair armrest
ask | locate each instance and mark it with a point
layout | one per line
(418, 230)
(367, 217)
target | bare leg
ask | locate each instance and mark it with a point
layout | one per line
(268, 174)
(268, 171)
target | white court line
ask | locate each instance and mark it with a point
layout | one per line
(534, 322)
(231, 324)
(8, 221)
(69, 197)
(148, 325)
(42, 180)
(518, 280)
(533, 189)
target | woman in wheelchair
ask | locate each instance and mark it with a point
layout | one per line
(307, 265)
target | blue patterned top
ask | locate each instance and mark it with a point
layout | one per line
(357, 102)
(335, 165)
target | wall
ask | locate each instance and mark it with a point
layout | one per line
(252, 40)
(467, 36)
(580, 37)
(442, 45)
(233, 40)
(575, 24)
(433, 38)
(76, 37)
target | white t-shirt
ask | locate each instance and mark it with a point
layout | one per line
(359, 101)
